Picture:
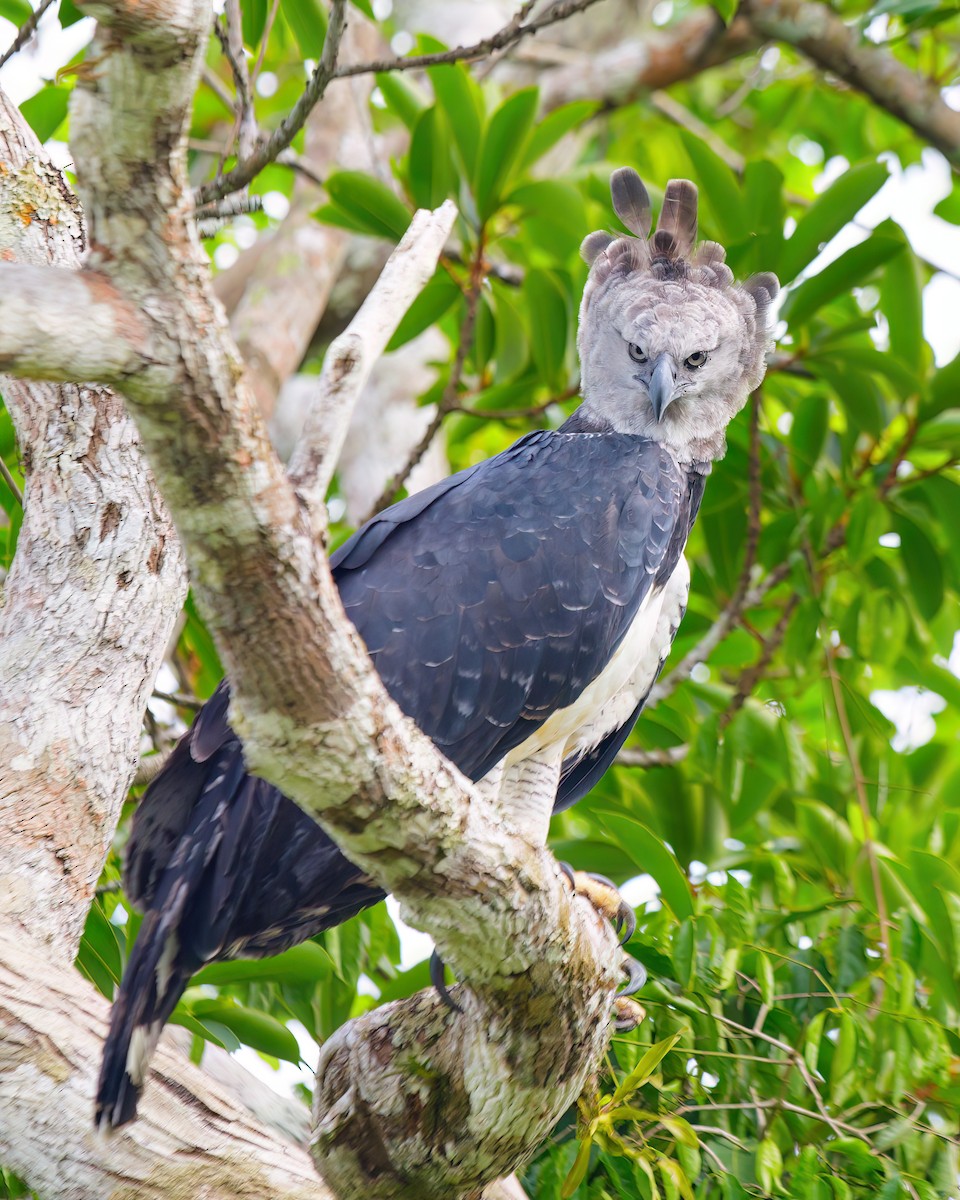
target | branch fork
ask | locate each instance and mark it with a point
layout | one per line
(542, 965)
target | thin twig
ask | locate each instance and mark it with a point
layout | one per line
(351, 356)
(511, 414)
(11, 483)
(752, 675)
(667, 757)
(267, 149)
(218, 87)
(290, 158)
(26, 31)
(178, 698)
(264, 39)
(862, 800)
(450, 392)
(231, 42)
(509, 35)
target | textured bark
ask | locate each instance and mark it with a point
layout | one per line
(542, 965)
(190, 1140)
(827, 40)
(91, 598)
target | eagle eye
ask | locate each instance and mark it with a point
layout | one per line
(697, 359)
(636, 353)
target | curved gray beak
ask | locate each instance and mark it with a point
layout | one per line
(663, 384)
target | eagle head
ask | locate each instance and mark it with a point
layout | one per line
(670, 345)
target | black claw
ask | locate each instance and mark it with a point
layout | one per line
(626, 923)
(436, 978)
(636, 976)
(568, 871)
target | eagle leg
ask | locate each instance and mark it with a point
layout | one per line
(603, 895)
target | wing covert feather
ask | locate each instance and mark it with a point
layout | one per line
(514, 584)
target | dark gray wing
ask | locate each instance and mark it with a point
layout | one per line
(492, 601)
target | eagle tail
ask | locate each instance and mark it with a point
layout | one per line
(153, 982)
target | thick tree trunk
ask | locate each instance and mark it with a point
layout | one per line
(541, 964)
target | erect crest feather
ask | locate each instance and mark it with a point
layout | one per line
(677, 225)
(631, 202)
(671, 253)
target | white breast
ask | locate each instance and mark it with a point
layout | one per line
(606, 703)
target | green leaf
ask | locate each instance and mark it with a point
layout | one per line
(100, 953)
(503, 142)
(251, 1027)
(46, 111)
(15, 11)
(851, 268)
(306, 963)
(461, 100)
(401, 97)
(765, 979)
(648, 1063)
(808, 434)
(554, 216)
(308, 20)
(719, 190)
(69, 14)
(684, 954)
(944, 390)
(553, 127)
(901, 295)
(769, 1165)
(432, 176)
(547, 306)
(921, 560)
(869, 519)
(436, 299)
(725, 9)
(253, 15)
(578, 1172)
(652, 856)
(370, 203)
(828, 214)
(844, 1051)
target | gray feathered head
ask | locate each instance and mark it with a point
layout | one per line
(670, 346)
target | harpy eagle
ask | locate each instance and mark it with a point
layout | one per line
(519, 612)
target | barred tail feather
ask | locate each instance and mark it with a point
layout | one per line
(152, 984)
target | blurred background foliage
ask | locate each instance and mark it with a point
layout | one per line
(789, 810)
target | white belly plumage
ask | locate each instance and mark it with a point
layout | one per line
(526, 782)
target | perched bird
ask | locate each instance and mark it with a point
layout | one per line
(519, 612)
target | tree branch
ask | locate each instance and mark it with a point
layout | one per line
(659, 59)
(26, 31)
(192, 1138)
(96, 583)
(350, 358)
(67, 325)
(314, 717)
(295, 269)
(823, 36)
(269, 148)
